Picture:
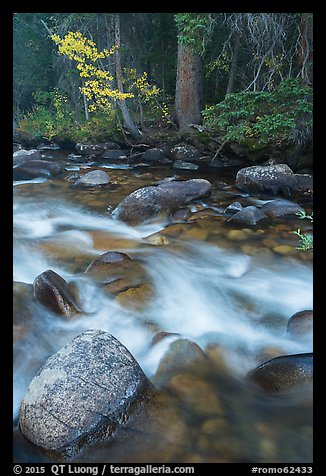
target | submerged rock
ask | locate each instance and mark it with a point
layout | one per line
(82, 394)
(248, 216)
(51, 290)
(93, 178)
(182, 354)
(283, 373)
(23, 309)
(151, 201)
(30, 169)
(123, 276)
(300, 323)
(182, 165)
(280, 208)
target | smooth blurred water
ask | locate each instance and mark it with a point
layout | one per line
(207, 290)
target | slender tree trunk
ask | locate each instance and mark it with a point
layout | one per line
(304, 47)
(189, 91)
(127, 119)
(85, 103)
(234, 65)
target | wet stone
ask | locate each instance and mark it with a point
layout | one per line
(283, 373)
(300, 323)
(82, 394)
(51, 290)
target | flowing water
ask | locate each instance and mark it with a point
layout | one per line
(229, 290)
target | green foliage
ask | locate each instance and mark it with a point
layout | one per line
(53, 119)
(283, 115)
(193, 29)
(306, 239)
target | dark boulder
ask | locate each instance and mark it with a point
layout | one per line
(24, 155)
(82, 394)
(36, 168)
(279, 208)
(94, 149)
(248, 216)
(53, 292)
(148, 202)
(93, 179)
(155, 156)
(300, 323)
(272, 179)
(48, 146)
(114, 155)
(283, 373)
(185, 153)
(224, 162)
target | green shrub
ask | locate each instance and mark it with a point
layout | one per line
(52, 119)
(283, 115)
(306, 239)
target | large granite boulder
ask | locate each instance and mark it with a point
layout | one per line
(272, 179)
(148, 202)
(82, 394)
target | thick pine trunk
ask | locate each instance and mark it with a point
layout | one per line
(127, 119)
(189, 91)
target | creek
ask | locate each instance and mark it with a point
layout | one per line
(226, 288)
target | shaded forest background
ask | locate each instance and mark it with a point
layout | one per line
(247, 76)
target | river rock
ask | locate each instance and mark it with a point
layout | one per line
(185, 153)
(23, 155)
(283, 373)
(233, 207)
(248, 216)
(279, 208)
(300, 323)
(155, 155)
(82, 394)
(124, 277)
(53, 292)
(181, 355)
(23, 309)
(182, 165)
(36, 168)
(148, 202)
(114, 264)
(93, 179)
(94, 149)
(114, 155)
(278, 178)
